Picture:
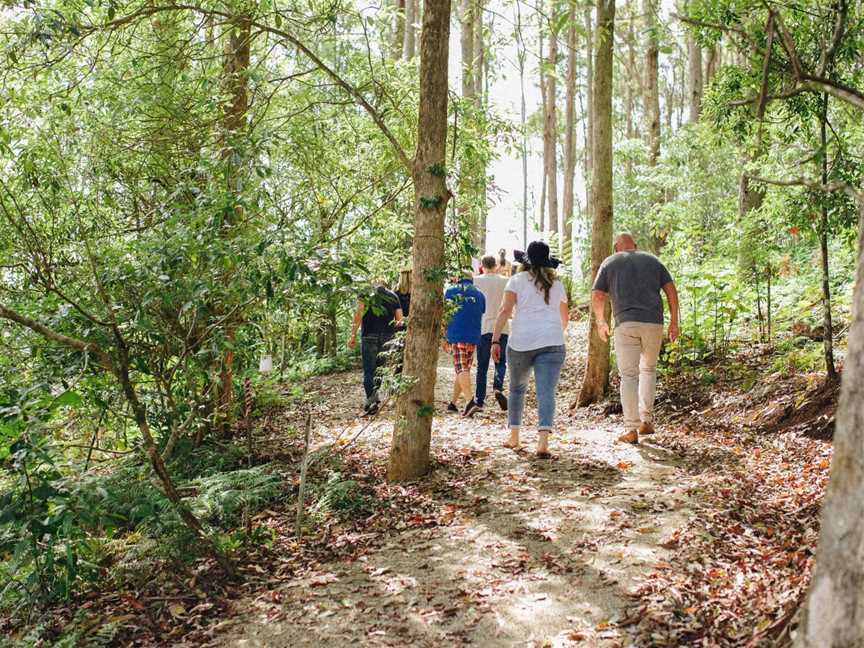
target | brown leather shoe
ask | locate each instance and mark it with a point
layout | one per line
(646, 428)
(629, 437)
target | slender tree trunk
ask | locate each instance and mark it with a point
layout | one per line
(597, 367)
(570, 136)
(479, 77)
(408, 45)
(399, 29)
(694, 78)
(632, 74)
(669, 96)
(418, 20)
(466, 40)
(409, 452)
(833, 615)
(236, 82)
(479, 57)
(828, 336)
(544, 184)
(711, 63)
(550, 123)
(589, 97)
(651, 87)
(521, 55)
(651, 99)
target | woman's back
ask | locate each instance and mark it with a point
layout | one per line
(535, 323)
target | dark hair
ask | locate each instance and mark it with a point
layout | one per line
(488, 262)
(543, 277)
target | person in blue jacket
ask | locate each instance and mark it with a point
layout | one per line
(463, 336)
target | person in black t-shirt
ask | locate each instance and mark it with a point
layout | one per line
(377, 317)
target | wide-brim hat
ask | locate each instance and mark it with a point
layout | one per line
(537, 255)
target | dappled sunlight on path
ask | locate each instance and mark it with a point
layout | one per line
(523, 551)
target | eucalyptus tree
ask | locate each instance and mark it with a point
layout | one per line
(596, 379)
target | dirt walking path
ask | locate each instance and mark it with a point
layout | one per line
(522, 552)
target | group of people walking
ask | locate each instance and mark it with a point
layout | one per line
(519, 322)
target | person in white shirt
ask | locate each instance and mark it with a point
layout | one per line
(536, 339)
(491, 284)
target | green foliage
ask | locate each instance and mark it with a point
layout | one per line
(341, 497)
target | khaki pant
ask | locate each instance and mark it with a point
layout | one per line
(637, 347)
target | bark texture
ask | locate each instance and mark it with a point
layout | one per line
(409, 452)
(694, 79)
(833, 616)
(408, 43)
(650, 85)
(398, 28)
(236, 81)
(550, 124)
(479, 94)
(568, 213)
(589, 98)
(596, 378)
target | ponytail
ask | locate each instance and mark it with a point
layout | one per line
(543, 278)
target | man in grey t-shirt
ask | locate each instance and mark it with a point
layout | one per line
(633, 280)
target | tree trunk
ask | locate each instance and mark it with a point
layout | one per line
(597, 367)
(711, 64)
(236, 82)
(694, 78)
(478, 77)
(589, 97)
(651, 99)
(651, 87)
(632, 75)
(399, 29)
(833, 616)
(410, 19)
(828, 333)
(544, 183)
(521, 55)
(550, 124)
(570, 136)
(466, 40)
(409, 452)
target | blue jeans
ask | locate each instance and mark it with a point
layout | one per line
(484, 351)
(547, 363)
(371, 348)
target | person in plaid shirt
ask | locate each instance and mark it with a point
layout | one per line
(463, 336)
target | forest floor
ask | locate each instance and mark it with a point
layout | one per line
(702, 535)
(704, 531)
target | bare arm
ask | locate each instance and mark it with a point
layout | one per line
(355, 324)
(598, 307)
(398, 317)
(565, 315)
(672, 297)
(504, 313)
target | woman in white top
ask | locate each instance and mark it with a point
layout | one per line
(536, 339)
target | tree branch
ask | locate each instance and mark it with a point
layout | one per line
(827, 56)
(813, 185)
(275, 31)
(50, 334)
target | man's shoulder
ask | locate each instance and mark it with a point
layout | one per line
(630, 256)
